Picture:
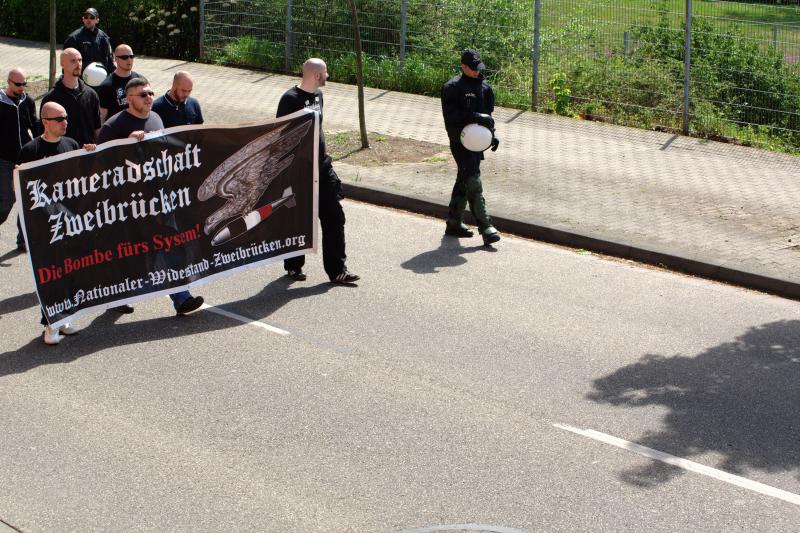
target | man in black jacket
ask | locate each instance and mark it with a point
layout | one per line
(468, 99)
(18, 125)
(79, 100)
(92, 42)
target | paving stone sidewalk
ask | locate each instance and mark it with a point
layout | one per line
(710, 208)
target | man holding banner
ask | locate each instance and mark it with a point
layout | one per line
(53, 141)
(307, 95)
(136, 219)
(135, 121)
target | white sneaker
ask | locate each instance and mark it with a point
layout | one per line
(51, 336)
(67, 329)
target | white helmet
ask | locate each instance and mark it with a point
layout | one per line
(476, 138)
(94, 74)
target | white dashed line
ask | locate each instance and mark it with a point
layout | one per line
(691, 466)
(245, 320)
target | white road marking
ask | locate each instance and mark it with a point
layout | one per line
(691, 466)
(463, 527)
(245, 320)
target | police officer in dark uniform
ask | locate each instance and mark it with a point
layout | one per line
(468, 99)
(92, 42)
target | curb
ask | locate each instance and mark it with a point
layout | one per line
(540, 232)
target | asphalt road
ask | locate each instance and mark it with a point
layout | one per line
(453, 387)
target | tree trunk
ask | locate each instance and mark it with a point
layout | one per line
(362, 120)
(52, 80)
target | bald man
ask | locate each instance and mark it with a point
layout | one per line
(51, 142)
(111, 92)
(177, 107)
(308, 95)
(18, 125)
(79, 100)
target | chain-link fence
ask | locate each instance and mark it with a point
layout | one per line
(622, 61)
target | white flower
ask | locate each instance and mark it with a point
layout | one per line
(167, 13)
(193, 9)
(184, 16)
(161, 22)
(176, 31)
(131, 14)
(170, 26)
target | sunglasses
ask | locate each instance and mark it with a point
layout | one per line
(90, 17)
(144, 94)
(18, 84)
(56, 119)
(127, 56)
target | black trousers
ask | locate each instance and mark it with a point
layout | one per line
(331, 221)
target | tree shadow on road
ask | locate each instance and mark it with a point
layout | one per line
(104, 332)
(450, 253)
(739, 401)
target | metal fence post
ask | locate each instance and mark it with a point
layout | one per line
(775, 36)
(289, 39)
(403, 30)
(537, 20)
(201, 50)
(687, 65)
(625, 45)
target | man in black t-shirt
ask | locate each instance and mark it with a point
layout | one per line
(112, 91)
(52, 142)
(134, 122)
(331, 214)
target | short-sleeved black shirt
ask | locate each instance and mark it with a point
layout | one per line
(123, 124)
(38, 149)
(112, 93)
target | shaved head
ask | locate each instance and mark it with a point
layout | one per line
(71, 64)
(16, 76)
(123, 49)
(182, 85)
(52, 109)
(16, 72)
(182, 76)
(315, 74)
(53, 129)
(67, 54)
(314, 65)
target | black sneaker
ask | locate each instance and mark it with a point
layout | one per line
(123, 309)
(192, 303)
(297, 275)
(490, 237)
(345, 278)
(458, 231)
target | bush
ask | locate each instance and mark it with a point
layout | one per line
(166, 28)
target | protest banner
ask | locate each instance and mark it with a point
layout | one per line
(134, 220)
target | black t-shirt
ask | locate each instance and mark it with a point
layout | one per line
(296, 99)
(123, 124)
(112, 93)
(39, 149)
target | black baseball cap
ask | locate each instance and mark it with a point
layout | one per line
(92, 11)
(472, 59)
